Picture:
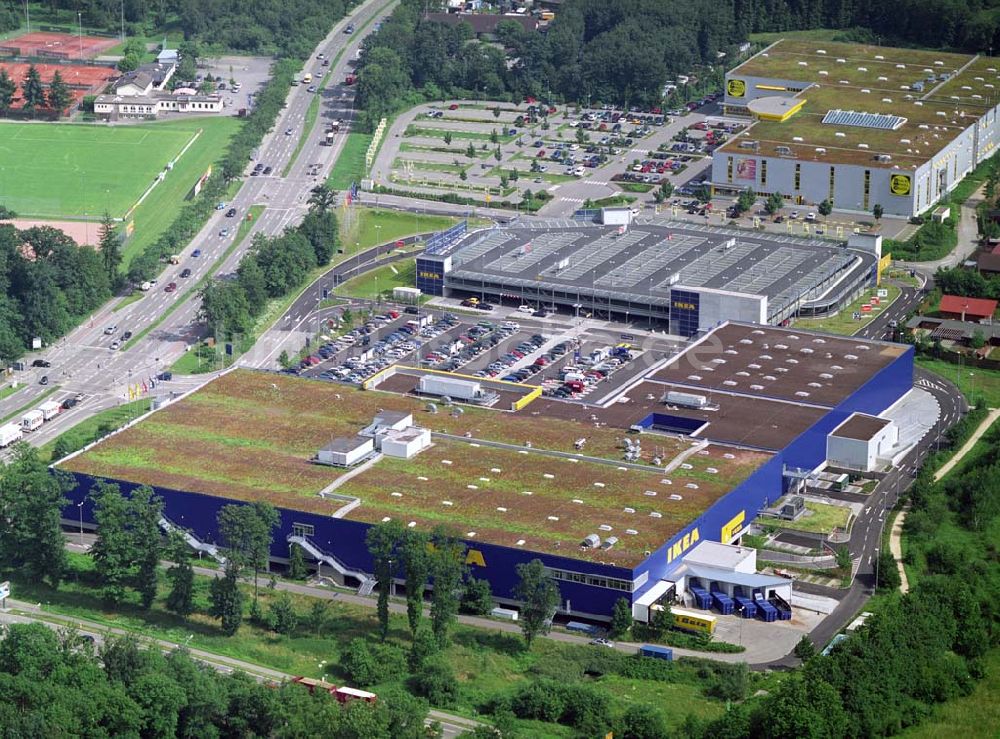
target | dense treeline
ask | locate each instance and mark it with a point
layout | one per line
(271, 268)
(286, 28)
(625, 51)
(48, 284)
(57, 685)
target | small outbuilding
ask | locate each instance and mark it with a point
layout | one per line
(346, 451)
(861, 442)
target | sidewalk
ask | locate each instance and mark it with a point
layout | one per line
(957, 457)
(896, 547)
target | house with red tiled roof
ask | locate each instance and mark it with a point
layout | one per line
(962, 308)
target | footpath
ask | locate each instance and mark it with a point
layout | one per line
(957, 457)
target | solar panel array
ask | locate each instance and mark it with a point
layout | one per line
(879, 121)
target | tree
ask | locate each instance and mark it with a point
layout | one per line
(383, 541)
(477, 597)
(114, 551)
(494, 136)
(496, 111)
(641, 721)
(805, 648)
(146, 512)
(888, 573)
(497, 154)
(470, 151)
(843, 558)
(283, 617)
(59, 95)
(110, 247)
(129, 62)
(447, 138)
(31, 501)
(436, 682)
(32, 93)
(621, 618)
(424, 645)
(775, 202)
(448, 569)
(416, 568)
(62, 448)
(180, 599)
(463, 176)
(703, 194)
(7, 90)
(539, 597)
(316, 618)
(322, 198)
(977, 340)
(296, 564)
(825, 208)
(248, 531)
(877, 211)
(515, 174)
(227, 600)
(745, 200)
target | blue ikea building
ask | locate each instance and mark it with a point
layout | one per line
(588, 588)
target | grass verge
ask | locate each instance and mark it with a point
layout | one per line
(350, 164)
(83, 433)
(843, 322)
(380, 282)
(974, 382)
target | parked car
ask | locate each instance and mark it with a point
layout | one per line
(41, 363)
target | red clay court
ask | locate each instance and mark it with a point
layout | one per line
(83, 79)
(57, 45)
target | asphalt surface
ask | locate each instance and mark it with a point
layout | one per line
(82, 362)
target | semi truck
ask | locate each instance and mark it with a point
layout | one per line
(9, 433)
(328, 138)
(32, 420)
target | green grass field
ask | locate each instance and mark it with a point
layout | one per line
(350, 165)
(83, 433)
(380, 282)
(66, 170)
(843, 322)
(974, 382)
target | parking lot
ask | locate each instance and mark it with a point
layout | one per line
(565, 364)
(251, 73)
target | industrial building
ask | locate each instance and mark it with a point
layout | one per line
(605, 528)
(687, 276)
(858, 125)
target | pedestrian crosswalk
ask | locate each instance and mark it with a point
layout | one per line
(572, 200)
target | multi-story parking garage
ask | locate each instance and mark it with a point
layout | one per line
(688, 276)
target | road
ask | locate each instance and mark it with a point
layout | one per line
(82, 362)
(21, 612)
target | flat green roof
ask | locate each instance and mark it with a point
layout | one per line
(869, 79)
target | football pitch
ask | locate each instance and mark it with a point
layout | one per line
(56, 170)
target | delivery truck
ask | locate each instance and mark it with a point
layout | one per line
(50, 409)
(9, 433)
(32, 420)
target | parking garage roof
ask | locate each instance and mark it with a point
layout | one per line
(646, 260)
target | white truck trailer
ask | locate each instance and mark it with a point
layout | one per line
(450, 386)
(9, 433)
(32, 420)
(49, 409)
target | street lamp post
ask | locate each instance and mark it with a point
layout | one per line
(79, 507)
(876, 570)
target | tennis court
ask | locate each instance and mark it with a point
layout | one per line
(56, 45)
(82, 79)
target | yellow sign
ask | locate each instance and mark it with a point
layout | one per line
(900, 184)
(736, 88)
(686, 542)
(681, 305)
(730, 529)
(472, 556)
(883, 264)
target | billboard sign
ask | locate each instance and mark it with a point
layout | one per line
(900, 184)
(746, 169)
(736, 88)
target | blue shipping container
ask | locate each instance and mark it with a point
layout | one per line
(650, 650)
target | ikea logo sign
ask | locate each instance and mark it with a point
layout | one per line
(682, 305)
(679, 547)
(431, 275)
(472, 556)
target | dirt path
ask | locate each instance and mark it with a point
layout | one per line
(957, 457)
(896, 547)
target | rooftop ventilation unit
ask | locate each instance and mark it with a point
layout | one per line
(748, 144)
(803, 64)
(826, 376)
(820, 150)
(840, 134)
(591, 541)
(880, 57)
(802, 394)
(823, 73)
(865, 90)
(609, 542)
(851, 357)
(783, 150)
(770, 378)
(631, 532)
(904, 141)
(655, 514)
(862, 146)
(900, 66)
(883, 79)
(841, 60)
(938, 64)
(862, 69)
(820, 51)
(886, 100)
(883, 158)
(797, 139)
(791, 360)
(815, 384)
